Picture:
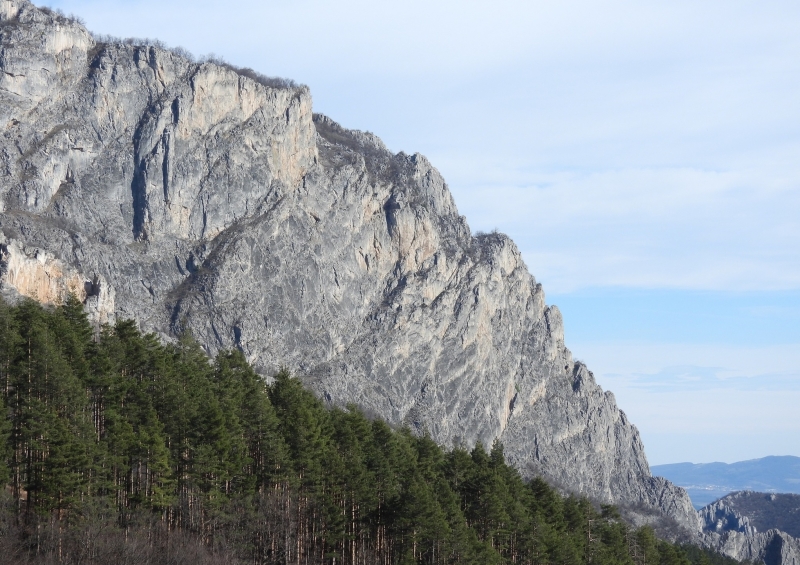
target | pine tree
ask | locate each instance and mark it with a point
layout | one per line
(5, 446)
(114, 433)
(258, 450)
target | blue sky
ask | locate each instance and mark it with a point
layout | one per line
(645, 156)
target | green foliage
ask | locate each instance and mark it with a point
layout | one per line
(111, 431)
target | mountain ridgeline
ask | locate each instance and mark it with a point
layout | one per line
(707, 482)
(119, 449)
(755, 526)
(194, 197)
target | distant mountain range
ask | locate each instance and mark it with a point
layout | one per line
(707, 482)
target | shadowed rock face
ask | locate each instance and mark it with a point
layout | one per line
(772, 547)
(759, 511)
(754, 526)
(207, 201)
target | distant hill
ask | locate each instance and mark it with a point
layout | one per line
(755, 527)
(766, 511)
(706, 482)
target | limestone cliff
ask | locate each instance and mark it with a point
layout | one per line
(772, 547)
(193, 196)
(754, 526)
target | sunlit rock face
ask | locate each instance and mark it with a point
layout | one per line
(35, 273)
(201, 199)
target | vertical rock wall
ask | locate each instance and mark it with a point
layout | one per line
(200, 198)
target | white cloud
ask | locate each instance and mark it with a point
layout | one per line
(650, 228)
(631, 362)
(722, 403)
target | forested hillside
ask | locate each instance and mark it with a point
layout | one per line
(116, 448)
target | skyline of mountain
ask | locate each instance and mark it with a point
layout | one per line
(707, 482)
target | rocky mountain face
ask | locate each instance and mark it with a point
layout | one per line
(755, 526)
(755, 512)
(195, 196)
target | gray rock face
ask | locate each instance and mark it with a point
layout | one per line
(721, 517)
(772, 547)
(729, 526)
(188, 196)
(761, 511)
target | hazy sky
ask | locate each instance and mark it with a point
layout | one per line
(645, 156)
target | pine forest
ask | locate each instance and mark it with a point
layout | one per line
(116, 448)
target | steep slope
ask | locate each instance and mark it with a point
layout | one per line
(767, 510)
(188, 195)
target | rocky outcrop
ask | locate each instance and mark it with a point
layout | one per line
(772, 547)
(730, 530)
(208, 199)
(721, 517)
(37, 274)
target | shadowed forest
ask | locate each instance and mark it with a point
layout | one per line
(116, 448)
